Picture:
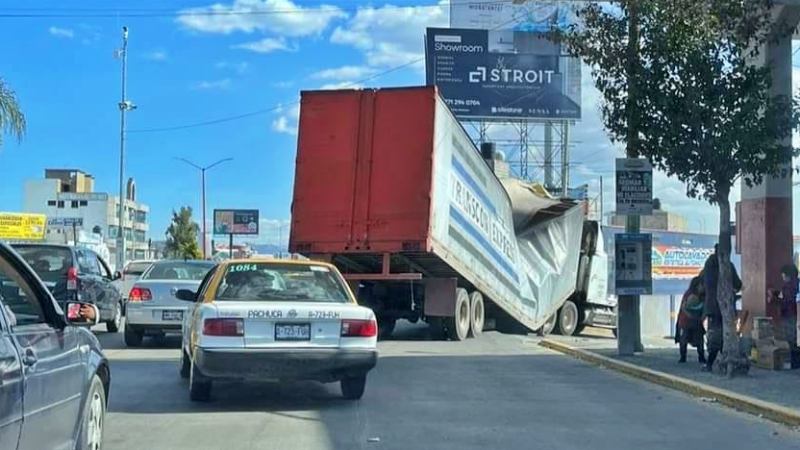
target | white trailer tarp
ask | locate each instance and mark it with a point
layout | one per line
(519, 249)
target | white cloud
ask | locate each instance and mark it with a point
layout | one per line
(266, 45)
(156, 55)
(239, 67)
(287, 119)
(61, 32)
(391, 35)
(205, 85)
(341, 85)
(282, 17)
(344, 73)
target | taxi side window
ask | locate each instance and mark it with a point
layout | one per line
(201, 291)
(18, 299)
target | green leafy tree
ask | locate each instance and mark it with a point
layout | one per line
(12, 121)
(182, 235)
(694, 101)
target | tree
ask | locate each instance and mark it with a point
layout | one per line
(182, 235)
(12, 121)
(703, 107)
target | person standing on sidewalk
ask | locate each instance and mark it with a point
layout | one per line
(689, 329)
(711, 309)
(787, 299)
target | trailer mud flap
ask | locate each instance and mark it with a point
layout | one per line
(440, 297)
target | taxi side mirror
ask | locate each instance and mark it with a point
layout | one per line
(82, 314)
(186, 295)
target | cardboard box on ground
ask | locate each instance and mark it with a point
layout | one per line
(770, 351)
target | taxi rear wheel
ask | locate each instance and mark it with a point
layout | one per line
(133, 337)
(199, 386)
(353, 387)
(186, 368)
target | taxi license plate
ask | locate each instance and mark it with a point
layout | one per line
(292, 332)
(172, 315)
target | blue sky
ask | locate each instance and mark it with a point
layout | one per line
(190, 69)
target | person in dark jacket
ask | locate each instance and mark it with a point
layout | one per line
(689, 329)
(711, 310)
(787, 298)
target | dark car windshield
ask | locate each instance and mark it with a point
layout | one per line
(281, 282)
(137, 268)
(50, 262)
(178, 270)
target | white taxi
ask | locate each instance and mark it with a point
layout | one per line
(275, 320)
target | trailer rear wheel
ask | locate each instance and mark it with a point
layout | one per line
(568, 319)
(477, 314)
(458, 325)
(548, 326)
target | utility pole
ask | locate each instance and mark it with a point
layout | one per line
(125, 105)
(203, 194)
(628, 315)
(565, 159)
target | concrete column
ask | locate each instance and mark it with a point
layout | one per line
(765, 213)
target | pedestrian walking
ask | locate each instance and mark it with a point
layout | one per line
(689, 328)
(711, 309)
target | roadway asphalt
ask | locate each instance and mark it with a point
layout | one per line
(495, 392)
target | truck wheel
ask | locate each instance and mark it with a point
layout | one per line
(133, 337)
(458, 325)
(386, 327)
(568, 319)
(353, 387)
(548, 326)
(199, 386)
(477, 314)
(579, 329)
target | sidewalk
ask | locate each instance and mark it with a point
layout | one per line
(779, 387)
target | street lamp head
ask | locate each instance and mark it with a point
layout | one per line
(125, 33)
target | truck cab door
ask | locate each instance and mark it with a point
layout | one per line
(10, 382)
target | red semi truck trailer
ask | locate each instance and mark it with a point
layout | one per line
(390, 188)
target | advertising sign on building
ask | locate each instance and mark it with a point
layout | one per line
(634, 187)
(632, 264)
(501, 75)
(65, 222)
(235, 221)
(533, 16)
(22, 226)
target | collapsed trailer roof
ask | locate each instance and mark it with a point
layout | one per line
(530, 208)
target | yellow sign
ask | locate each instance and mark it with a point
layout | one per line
(22, 226)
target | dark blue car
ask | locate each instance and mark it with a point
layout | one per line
(54, 378)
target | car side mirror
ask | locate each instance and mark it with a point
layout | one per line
(82, 314)
(186, 295)
(117, 275)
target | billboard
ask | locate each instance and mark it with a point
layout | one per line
(22, 226)
(235, 221)
(502, 75)
(532, 16)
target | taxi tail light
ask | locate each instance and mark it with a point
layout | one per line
(223, 327)
(359, 328)
(72, 279)
(138, 294)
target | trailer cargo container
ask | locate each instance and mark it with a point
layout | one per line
(390, 188)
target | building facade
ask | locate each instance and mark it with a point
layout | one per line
(68, 199)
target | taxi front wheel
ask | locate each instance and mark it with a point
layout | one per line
(353, 387)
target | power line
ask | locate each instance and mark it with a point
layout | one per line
(197, 11)
(277, 107)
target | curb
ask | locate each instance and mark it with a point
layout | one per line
(751, 405)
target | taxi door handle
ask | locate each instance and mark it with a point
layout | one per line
(29, 358)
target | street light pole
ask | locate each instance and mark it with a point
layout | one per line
(125, 105)
(203, 192)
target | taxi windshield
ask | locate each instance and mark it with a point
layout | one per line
(281, 282)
